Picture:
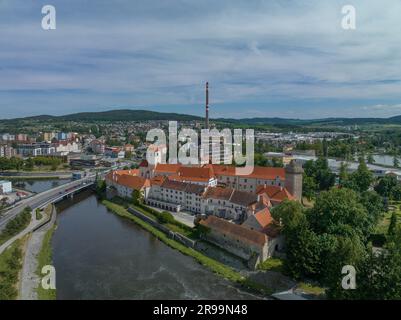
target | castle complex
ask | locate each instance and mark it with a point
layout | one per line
(236, 208)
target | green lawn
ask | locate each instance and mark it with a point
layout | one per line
(272, 264)
(311, 289)
(45, 258)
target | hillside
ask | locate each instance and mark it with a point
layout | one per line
(112, 115)
(145, 115)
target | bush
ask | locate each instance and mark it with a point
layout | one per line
(378, 239)
(165, 217)
(16, 225)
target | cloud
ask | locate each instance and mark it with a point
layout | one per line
(270, 55)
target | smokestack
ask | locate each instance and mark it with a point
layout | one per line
(207, 106)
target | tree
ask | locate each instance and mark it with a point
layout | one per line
(362, 178)
(309, 187)
(303, 253)
(337, 209)
(396, 162)
(320, 172)
(386, 185)
(396, 192)
(136, 197)
(343, 174)
(290, 214)
(393, 224)
(370, 158)
(374, 205)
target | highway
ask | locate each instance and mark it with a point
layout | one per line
(46, 197)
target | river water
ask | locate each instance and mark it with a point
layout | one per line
(98, 255)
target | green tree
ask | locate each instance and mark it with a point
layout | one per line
(370, 159)
(309, 187)
(362, 178)
(136, 197)
(396, 162)
(393, 224)
(290, 214)
(385, 185)
(343, 174)
(338, 211)
(396, 192)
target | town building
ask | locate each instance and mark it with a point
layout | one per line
(5, 187)
(251, 245)
(228, 203)
(65, 146)
(36, 149)
(124, 182)
(97, 146)
(7, 151)
(114, 152)
(175, 195)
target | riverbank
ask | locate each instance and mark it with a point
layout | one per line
(213, 265)
(38, 254)
(10, 266)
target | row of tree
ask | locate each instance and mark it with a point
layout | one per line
(15, 163)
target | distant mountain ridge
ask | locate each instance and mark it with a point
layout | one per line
(145, 115)
(111, 115)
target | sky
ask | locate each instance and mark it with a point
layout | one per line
(275, 58)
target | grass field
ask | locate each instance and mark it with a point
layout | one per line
(272, 264)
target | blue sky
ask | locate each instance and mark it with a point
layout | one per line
(262, 58)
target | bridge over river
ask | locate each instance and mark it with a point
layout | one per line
(50, 196)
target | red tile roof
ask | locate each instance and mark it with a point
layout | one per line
(235, 231)
(167, 168)
(196, 172)
(128, 180)
(264, 217)
(268, 173)
(275, 193)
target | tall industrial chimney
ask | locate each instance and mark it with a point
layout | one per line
(207, 106)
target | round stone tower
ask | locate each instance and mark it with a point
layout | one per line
(293, 179)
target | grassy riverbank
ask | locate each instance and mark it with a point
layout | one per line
(208, 262)
(10, 266)
(45, 258)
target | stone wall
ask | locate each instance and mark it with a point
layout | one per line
(174, 235)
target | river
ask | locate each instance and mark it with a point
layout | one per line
(98, 255)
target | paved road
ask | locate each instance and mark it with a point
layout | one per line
(43, 198)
